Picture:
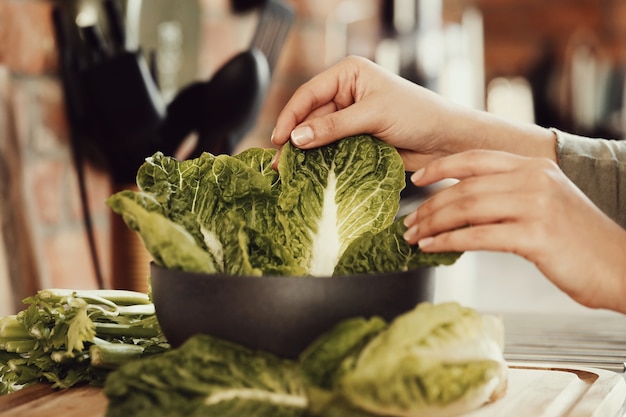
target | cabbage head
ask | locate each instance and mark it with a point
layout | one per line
(437, 360)
(326, 211)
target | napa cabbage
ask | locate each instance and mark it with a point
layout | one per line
(437, 360)
(326, 211)
(207, 376)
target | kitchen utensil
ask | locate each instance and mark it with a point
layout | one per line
(117, 32)
(223, 109)
(113, 106)
(220, 110)
(275, 19)
(244, 6)
(282, 315)
(113, 102)
(75, 113)
(127, 111)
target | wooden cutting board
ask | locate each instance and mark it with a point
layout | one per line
(553, 391)
(42, 401)
(537, 391)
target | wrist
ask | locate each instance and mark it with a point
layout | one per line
(483, 130)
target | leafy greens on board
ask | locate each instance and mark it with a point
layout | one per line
(67, 337)
(436, 360)
(326, 211)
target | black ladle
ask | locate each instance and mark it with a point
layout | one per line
(222, 110)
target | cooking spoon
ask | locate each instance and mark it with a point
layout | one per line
(220, 110)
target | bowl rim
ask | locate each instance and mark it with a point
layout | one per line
(364, 275)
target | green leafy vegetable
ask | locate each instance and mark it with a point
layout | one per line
(387, 251)
(66, 337)
(334, 194)
(321, 361)
(207, 376)
(170, 243)
(437, 360)
(322, 213)
(327, 359)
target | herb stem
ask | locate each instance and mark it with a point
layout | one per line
(112, 355)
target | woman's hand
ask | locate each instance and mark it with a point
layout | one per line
(527, 206)
(357, 96)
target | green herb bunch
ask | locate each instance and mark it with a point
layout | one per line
(66, 337)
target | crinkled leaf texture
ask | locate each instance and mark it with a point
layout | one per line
(317, 215)
(208, 377)
(387, 251)
(334, 194)
(321, 362)
(436, 360)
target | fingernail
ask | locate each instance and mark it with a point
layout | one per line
(410, 233)
(410, 218)
(417, 175)
(425, 242)
(302, 135)
(272, 135)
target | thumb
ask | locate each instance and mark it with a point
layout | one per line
(324, 129)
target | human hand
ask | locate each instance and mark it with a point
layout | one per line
(357, 96)
(525, 206)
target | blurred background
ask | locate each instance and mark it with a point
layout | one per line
(558, 63)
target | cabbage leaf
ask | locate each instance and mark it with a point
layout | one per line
(326, 211)
(321, 361)
(334, 194)
(207, 376)
(439, 360)
(436, 360)
(388, 251)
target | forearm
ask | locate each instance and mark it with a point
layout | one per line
(483, 130)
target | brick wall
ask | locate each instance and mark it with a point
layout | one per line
(43, 235)
(537, 39)
(43, 232)
(519, 30)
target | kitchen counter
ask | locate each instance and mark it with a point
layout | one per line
(567, 361)
(42, 401)
(533, 390)
(567, 339)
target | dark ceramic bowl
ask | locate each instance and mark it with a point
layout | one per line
(281, 315)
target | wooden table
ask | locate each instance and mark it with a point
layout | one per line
(42, 401)
(537, 390)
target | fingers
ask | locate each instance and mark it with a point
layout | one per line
(330, 106)
(467, 164)
(472, 189)
(321, 111)
(320, 131)
(329, 127)
(276, 158)
(312, 95)
(495, 189)
(487, 237)
(479, 209)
